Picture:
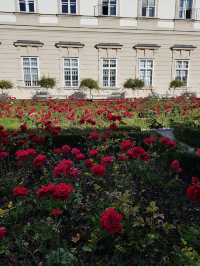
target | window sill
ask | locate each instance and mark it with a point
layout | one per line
(147, 18)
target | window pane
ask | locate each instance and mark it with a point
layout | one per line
(22, 6)
(73, 6)
(31, 6)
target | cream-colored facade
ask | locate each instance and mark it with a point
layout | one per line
(109, 41)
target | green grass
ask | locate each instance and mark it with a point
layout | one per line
(10, 123)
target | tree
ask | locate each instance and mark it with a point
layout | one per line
(176, 84)
(89, 84)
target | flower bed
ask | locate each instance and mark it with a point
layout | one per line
(109, 196)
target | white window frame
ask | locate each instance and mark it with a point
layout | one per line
(64, 81)
(146, 69)
(110, 5)
(68, 3)
(183, 10)
(109, 69)
(38, 67)
(27, 6)
(148, 7)
(182, 69)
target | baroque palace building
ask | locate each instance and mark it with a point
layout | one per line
(107, 40)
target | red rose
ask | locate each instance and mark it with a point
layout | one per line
(110, 221)
(193, 193)
(23, 154)
(89, 163)
(75, 151)
(98, 169)
(94, 135)
(93, 152)
(56, 212)
(80, 156)
(168, 142)
(176, 166)
(106, 160)
(39, 161)
(66, 148)
(62, 168)
(3, 232)
(126, 144)
(20, 191)
(45, 190)
(62, 191)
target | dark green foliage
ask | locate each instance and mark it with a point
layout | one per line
(5, 85)
(47, 82)
(90, 84)
(176, 84)
(134, 84)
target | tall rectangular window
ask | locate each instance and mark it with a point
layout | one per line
(31, 71)
(71, 72)
(146, 71)
(109, 7)
(185, 9)
(27, 6)
(109, 72)
(182, 67)
(148, 8)
(68, 6)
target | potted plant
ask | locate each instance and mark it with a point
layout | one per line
(134, 84)
(90, 84)
(5, 85)
(174, 84)
(47, 82)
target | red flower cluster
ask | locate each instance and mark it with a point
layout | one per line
(198, 152)
(39, 161)
(138, 153)
(20, 191)
(106, 160)
(176, 166)
(62, 168)
(59, 191)
(56, 212)
(110, 221)
(150, 140)
(193, 193)
(23, 154)
(168, 142)
(3, 232)
(98, 169)
(126, 144)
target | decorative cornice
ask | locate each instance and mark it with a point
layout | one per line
(183, 47)
(146, 46)
(69, 45)
(26, 43)
(108, 46)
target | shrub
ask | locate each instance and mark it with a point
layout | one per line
(176, 84)
(90, 84)
(134, 84)
(5, 85)
(47, 82)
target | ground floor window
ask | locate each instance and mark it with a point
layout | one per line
(31, 71)
(146, 71)
(182, 67)
(109, 72)
(68, 6)
(71, 72)
(27, 5)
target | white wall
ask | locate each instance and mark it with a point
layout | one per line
(166, 9)
(87, 7)
(48, 7)
(128, 8)
(7, 5)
